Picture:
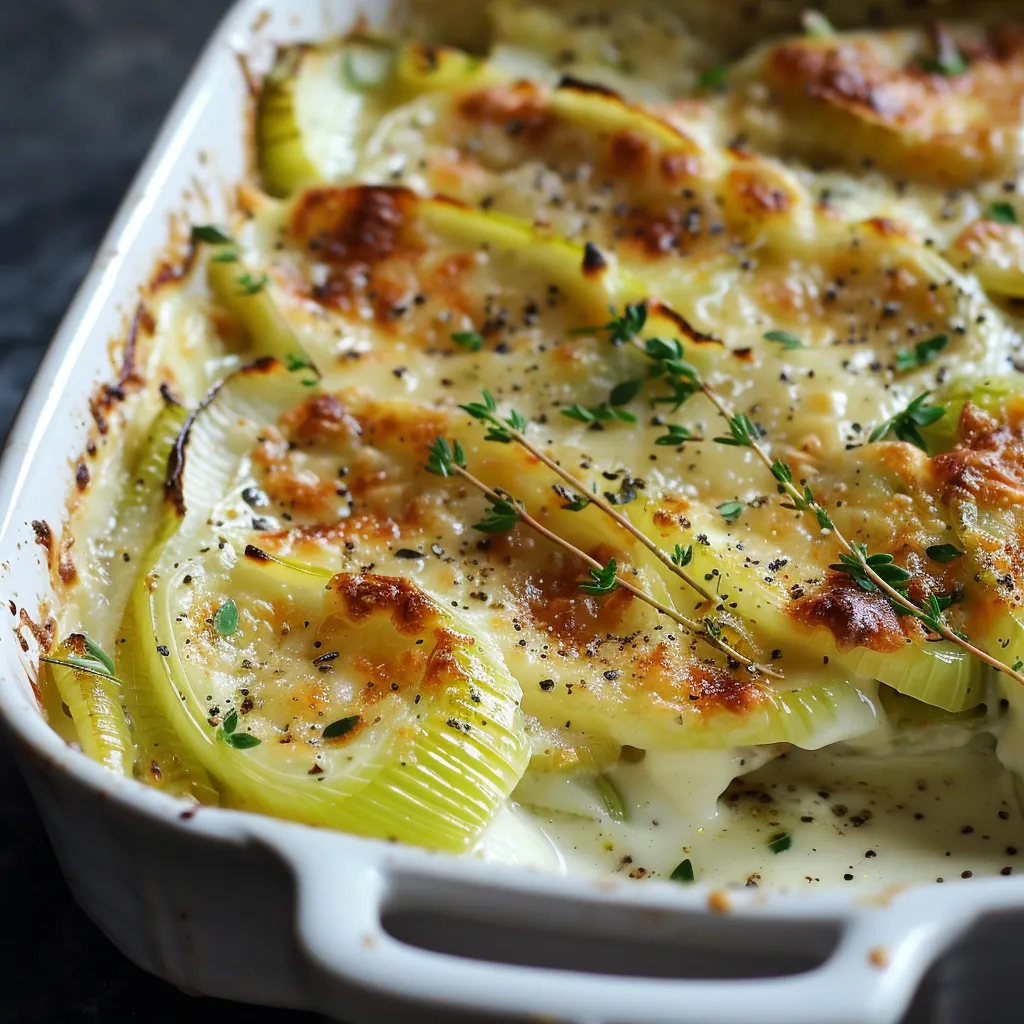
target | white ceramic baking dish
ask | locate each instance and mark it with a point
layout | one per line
(229, 904)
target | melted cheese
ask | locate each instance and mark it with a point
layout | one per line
(511, 206)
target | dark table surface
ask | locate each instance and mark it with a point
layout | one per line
(83, 87)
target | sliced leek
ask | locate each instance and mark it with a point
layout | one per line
(428, 763)
(92, 694)
(315, 109)
(425, 752)
(937, 673)
(245, 294)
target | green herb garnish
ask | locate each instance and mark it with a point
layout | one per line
(621, 328)
(744, 431)
(921, 354)
(471, 340)
(248, 285)
(624, 393)
(209, 233)
(731, 510)
(501, 517)
(488, 412)
(881, 563)
(904, 424)
(597, 413)
(444, 457)
(682, 556)
(573, 502)
(714, 78)
(785, 339)
(676, 435)
(682, 872)
(603, 581)
(340, 727)
(238, 740)
(226, 619)
(780, 843)
(1001, 213)
(943, 552)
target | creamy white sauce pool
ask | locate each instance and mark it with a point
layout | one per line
(855, 818)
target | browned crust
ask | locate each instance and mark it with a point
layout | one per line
(520, 108)
(43, 633)
(579, 85)
(129, 377)
(905, 110)
(684, 326)
(987, 463)
(854, 617)
(43, 535)
(411, 611)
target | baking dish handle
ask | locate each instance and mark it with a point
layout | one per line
(870, 977)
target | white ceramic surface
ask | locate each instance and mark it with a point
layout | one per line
(339, 924)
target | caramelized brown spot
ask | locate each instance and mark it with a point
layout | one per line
(579, 85)
(65, 566)
(906, 118)
(987, 462)
(713, 688)
(757, 194)
(43, 633)
(629, 153)
(521, 109)
(129, 377)
(358, 225)
(82, 477)
(443, 667)
(855, 617)
(656, 308)
(44, 537)
(678, 166)
(321, 418)
(885, 227)
(557, 606)
(410, 610)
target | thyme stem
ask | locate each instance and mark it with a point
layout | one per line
(805, 502)
(688, 624)
(603, 505)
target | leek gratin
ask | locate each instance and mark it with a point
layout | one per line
(567, 429)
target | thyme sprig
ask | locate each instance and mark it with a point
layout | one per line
(448, 459)
(905, 423)
(866, 569)
(511, 429)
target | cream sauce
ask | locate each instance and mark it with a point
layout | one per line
(868, 821)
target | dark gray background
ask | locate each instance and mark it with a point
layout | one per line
(83, 87)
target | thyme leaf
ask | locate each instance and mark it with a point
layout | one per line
(471, 340)
(209, 233)
(785, 339)
(1001, 213)
(904, 425)
(943, 552)
(921, 354)
(602, 581)
(225, 621)
(501, 517)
